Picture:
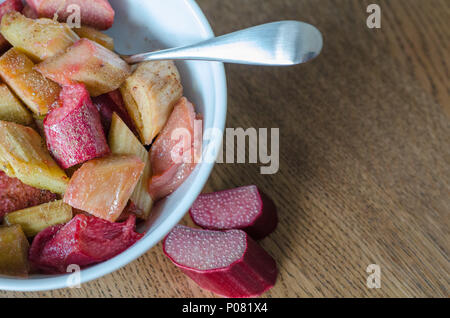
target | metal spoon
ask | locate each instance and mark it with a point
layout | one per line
(277, 43)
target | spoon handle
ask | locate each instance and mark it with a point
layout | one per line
(277, 43)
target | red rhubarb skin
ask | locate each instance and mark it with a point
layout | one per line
(74, 132)
(96, 13)
(250, 276)
(5, 7)
(261, 225)
(29, 12)
(110, 103)
(15, 195)
(167, 174)
(84, 241)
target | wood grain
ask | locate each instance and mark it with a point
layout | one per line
(364, 163)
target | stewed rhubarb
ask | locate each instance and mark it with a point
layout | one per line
(74, 131)
(87, 62)
(96, 13)
(84, 241)
(175, 152)
(103, 186)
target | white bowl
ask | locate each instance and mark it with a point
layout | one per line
(143, 25)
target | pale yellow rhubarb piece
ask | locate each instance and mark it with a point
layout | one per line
(96, 36)
(12, 109)
(14, 248)
(122, 141)
(23, 155)
(150, 94)
(87, 62)
(40, 38)
(36, 219)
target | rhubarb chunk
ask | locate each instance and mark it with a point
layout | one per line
(13, 251)
(29, 12)
(23, 155)
(84, 241)
(74, 131)
(39, 39)
(150, 94)
(175, 152)
(103, 186)
(96, 13)
(123, 142)
(12, 109)
(107, 105)
(227, 263)
(96, 36)
(15, 195)
(37, 92)
(5, 7)
(36, 219)
(10, 5)
(245, 208)
(87, 62)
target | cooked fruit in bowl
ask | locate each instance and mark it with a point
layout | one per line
(88, 143)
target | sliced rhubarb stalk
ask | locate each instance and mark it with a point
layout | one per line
(39, 39)
(150, 94)
(13, 251)
(96, 13)
(36, 219)
(37, 92)
(169, 174)
(103, 186)
(74, 132)
(227, 263)
(84, 241)
(12, 109)
(100, 69)
(96, 36)
(110, 103)
(5, 7)
(123, 142)
(245, 208)
(16, 195)
(23, 155)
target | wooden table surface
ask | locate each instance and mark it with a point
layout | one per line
(364, 155)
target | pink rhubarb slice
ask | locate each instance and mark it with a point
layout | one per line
(227, 263)
(245, 208)
(84, 241)
(74, 131)
(173, 153)
(87, 62)
(96, 13)
(5, 7)
(103, 186)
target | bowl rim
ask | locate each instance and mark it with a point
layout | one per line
(146, 243)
